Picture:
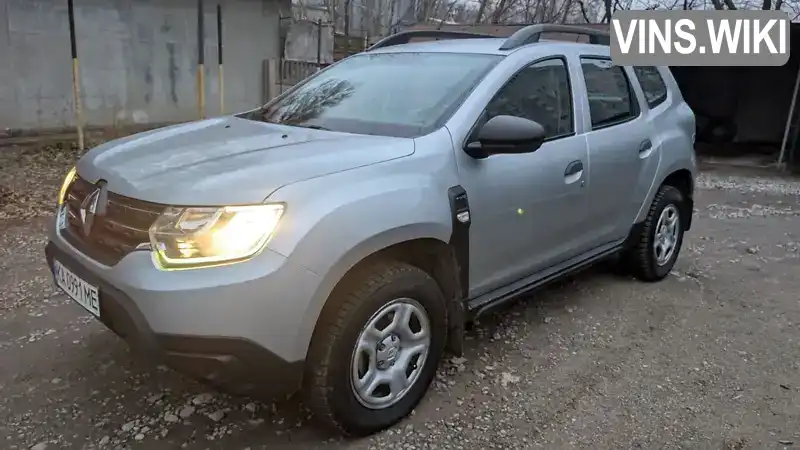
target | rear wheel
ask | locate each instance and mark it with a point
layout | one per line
(658, 244)
(376, 349)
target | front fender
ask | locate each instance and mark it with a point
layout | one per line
(348, 216)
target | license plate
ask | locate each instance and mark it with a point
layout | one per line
(76, 288)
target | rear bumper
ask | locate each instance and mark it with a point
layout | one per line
(236, 365)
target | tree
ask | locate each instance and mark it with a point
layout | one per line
(500, 12)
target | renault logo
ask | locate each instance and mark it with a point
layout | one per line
(92, 206)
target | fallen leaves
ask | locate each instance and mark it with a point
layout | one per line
(31, 176)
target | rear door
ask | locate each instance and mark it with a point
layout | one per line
(619, 145)
(657, 105)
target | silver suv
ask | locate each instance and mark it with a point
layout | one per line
(336, 240)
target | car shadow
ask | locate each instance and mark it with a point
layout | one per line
(139, 389)
(545, 303)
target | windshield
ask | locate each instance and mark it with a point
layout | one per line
(388, 94)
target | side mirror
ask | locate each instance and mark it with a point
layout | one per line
(506, 135)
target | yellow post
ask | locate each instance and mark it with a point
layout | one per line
(201, 91)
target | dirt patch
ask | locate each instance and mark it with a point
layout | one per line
(30, 178)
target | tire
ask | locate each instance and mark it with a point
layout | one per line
(642, 260)
(371, 294)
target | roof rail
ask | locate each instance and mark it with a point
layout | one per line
(532, 33)
(404, 37)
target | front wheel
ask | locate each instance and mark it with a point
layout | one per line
(376, 349)
(656, 248)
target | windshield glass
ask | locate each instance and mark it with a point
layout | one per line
(388, 94)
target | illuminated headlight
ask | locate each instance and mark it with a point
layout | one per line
(197, 237)
(62, 194)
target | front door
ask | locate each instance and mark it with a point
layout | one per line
(527, 209)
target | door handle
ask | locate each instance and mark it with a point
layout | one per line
(645, 146)
(573, 168)
(574, 172)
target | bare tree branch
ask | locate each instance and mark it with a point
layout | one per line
(583, 11)
(481, 11)
(566, 9)
(499, 11)
(447, 14)
(717, 4)
(674, 5)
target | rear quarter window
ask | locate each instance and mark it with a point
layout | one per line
(611, 99)
(653, 86)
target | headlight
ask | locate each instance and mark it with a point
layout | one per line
(62, 194)
(192, 237)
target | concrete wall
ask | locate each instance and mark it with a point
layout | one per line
(303, 42)
(137, 59)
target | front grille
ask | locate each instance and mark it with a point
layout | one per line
(124, 226)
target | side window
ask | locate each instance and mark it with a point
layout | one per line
(611, 99)
(539, 92)
(655, 91)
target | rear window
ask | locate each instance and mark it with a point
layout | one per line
(390, 94)
(611, 99)
(655, 91)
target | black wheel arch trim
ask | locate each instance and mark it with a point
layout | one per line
(689, 213)
(459, 242)
(459, 239)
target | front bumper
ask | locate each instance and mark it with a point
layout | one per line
(226, 335)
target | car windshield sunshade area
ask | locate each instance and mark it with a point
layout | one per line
(387, 94)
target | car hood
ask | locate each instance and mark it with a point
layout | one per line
(228, 160)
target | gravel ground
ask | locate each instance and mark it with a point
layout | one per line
(708, 358)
